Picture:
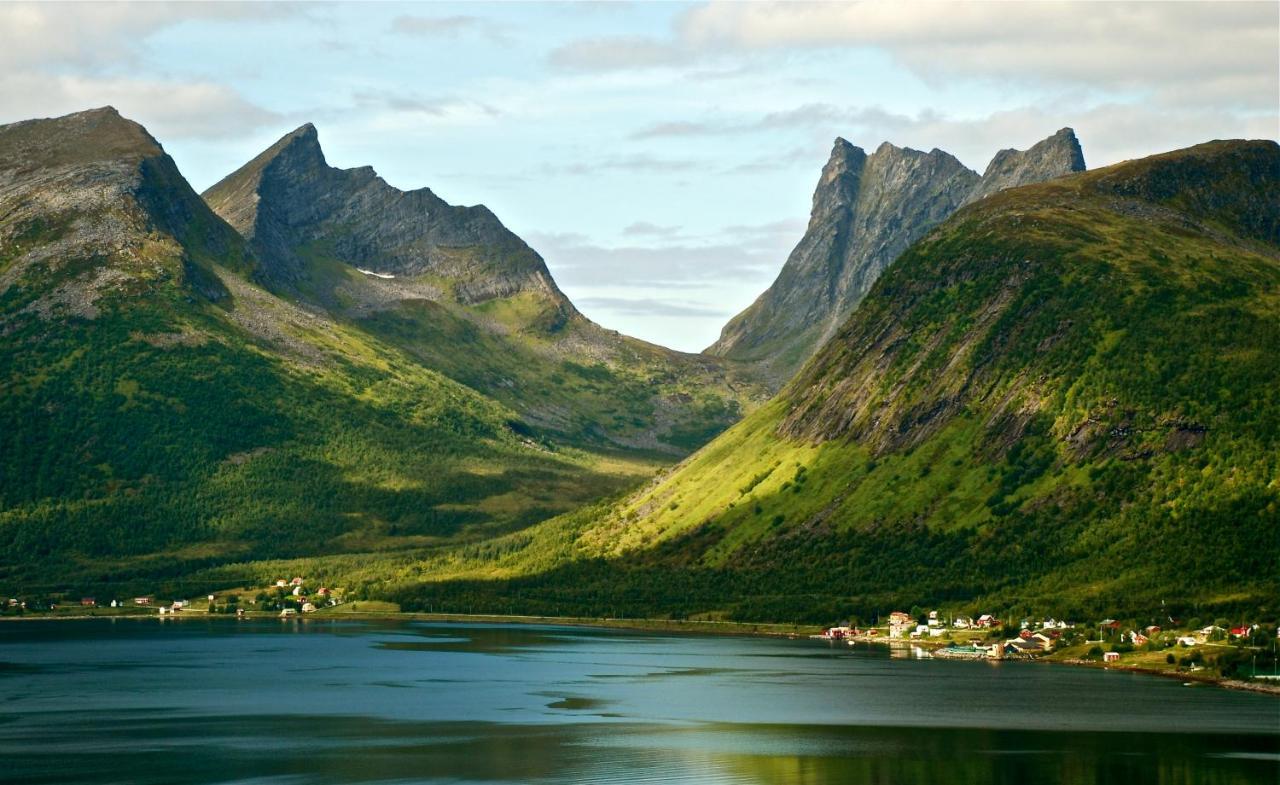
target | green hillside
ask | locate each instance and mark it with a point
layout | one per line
(163, 413)
(1063, 399)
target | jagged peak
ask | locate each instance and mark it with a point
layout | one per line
(301, 147)
(889, 148)
(305, 139)
(1062, 139)
(842, 152)
(892, 152)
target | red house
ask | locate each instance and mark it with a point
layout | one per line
(88, 602)
(1240, 632)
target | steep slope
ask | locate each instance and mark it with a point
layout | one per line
(158, 412)
(866, 211)
(1062, 400)
(464, 295)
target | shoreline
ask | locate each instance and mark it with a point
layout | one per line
(683, 627)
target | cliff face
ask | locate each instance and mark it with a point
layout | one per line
(866, 210)
(289, 203)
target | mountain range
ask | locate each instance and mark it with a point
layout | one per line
(1061, 400)
(1035, 386)
(177, 393)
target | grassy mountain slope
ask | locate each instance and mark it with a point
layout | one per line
(161, 412)
(1062, 399)
(467, 297)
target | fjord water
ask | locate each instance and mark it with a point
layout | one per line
(196, 701)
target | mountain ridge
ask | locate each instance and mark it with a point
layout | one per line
(860, 221)
(289, 196)
(467, 297)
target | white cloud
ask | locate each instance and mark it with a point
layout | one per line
(169, 109)
(1224, 53)
(638, 163)
(86, 34)
(57, 58)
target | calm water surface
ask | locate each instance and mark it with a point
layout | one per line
(141, 701)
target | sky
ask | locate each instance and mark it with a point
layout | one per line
(660, 156)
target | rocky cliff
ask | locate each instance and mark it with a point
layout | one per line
(866, 210)
(289, 203)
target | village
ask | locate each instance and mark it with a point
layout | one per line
(1240, 650)
(284, 598)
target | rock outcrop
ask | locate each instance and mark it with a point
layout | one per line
(867, 209)
(289, 203)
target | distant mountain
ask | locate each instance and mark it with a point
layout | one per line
(467, 297)
(162, 411)
(1062, 400)
(292, 205)
(866, 210)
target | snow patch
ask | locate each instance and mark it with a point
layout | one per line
(376, 275)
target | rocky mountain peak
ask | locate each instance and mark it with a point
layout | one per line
(290, 203)
(866, 210)
(838, 184)
(1055, 156)
(94, 136)
(107, 206)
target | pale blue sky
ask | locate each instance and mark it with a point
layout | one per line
(660, 156)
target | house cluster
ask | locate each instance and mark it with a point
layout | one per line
(902, 625)
(1197, 637)
(985, 621)
(308, 603)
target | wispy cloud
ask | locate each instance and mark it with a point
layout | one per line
(619, 53)
(677, 263)
(435, 106)
(638, 163)
(646, 229)
(60, 58)
(455, 26)
(649, 306)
